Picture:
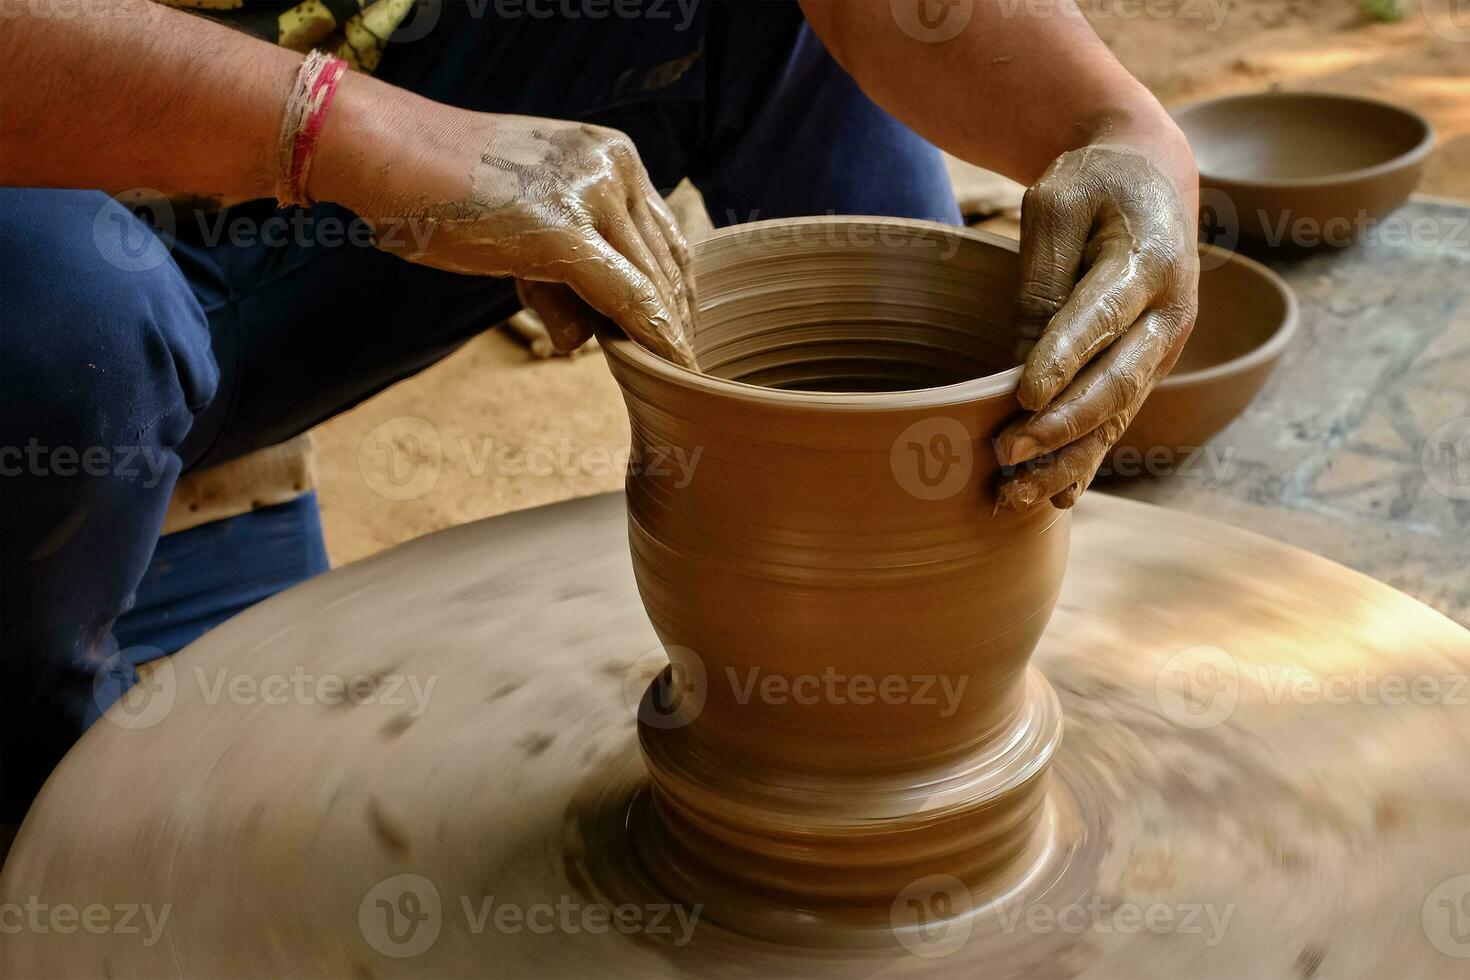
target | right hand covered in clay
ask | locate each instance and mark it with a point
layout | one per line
(566, 208)
(1110, 275)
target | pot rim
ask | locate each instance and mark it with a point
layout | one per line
(1264, 353)
(635, 355)
(1411, 157)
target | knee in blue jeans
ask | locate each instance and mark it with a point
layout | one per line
(104, 343)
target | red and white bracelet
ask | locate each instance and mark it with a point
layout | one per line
(301, 125)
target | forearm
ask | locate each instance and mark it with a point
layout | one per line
(1019, 86)
(145, 97)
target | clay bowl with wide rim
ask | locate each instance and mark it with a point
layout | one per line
(1247, 317)
(1299, 170)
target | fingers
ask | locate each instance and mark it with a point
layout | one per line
(617, 289)
(1093, 352)
(1110, 297)
(658, 244)
(1054, 231)
(1113, 384)
(568, 320)
(660, 233)
(1068, 497)
(678, 246)
(1065, 474)
(617, 226)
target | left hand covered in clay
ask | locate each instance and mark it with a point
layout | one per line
(1106, 213)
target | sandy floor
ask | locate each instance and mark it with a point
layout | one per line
(488, 431)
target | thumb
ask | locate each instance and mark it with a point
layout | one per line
(569, 321)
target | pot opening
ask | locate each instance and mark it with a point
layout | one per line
(859, 321)
(853, 365)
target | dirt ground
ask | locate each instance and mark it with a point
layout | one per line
(488, 430)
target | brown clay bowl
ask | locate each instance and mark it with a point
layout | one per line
(1247, 317)
(1302, 169)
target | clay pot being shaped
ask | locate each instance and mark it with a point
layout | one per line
(849, 706)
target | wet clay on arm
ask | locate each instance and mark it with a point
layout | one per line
(155, 98)
(565, 207)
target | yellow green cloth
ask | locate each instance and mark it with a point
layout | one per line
(354, 30)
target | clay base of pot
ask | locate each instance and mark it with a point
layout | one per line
(775, 854)
(631, 858)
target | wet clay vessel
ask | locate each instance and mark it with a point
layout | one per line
(849, 706)
(1299, 170)
(1247, 317)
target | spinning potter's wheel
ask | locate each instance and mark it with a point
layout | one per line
(1263, 774)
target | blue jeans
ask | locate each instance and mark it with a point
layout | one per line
(128, 357)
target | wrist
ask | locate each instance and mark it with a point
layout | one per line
(1165, 146)
(343, 172)
(383, 149)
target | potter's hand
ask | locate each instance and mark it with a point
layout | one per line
(566, 208)
(1101, 343)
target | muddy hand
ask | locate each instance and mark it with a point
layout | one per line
(1109, 275)
(566, 208)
